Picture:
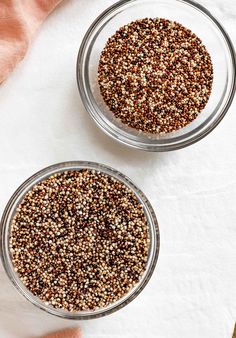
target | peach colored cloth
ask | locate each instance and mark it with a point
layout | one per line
(70, 333)
(19, 20)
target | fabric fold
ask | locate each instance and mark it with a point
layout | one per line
(19, 21)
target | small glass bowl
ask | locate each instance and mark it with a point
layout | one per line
(191, 15)
(6, 229)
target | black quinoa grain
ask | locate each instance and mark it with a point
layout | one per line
(155, 75)
(79, 240)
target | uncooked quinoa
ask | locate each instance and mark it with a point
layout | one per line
(79, 240)
(155, 75)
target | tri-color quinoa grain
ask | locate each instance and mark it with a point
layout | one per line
(79, 240)
(155, 75)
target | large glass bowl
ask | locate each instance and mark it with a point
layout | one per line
(10, 211)
(193, 16)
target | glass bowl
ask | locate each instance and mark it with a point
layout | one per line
(191, 15)
(6, 228)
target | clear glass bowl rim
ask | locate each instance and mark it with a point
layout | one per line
(78, 165)
(107, 129)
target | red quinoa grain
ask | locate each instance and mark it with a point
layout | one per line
(155, 75)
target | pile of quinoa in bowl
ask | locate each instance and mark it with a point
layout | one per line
(79, 240)
(155, 75)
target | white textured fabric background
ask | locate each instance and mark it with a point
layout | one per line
(193, 191)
